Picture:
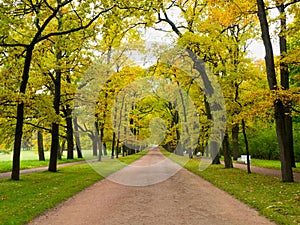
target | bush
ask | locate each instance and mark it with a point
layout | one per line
(263, 143)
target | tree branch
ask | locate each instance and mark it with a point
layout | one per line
(74, 29)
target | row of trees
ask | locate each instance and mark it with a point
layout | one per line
(47, 47)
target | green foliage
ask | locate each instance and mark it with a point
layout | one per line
(262, 143)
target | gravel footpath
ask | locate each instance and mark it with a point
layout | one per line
(182, 198)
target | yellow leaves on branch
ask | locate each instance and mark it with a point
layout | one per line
(228, 13)
(260, 103)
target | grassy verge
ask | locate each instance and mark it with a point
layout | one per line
(275, 200)
(37, 192)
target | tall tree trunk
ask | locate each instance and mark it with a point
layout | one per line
(285, 83)
(15, 175)
(99, 144)
(95, 144)
(61, 149)
(117, 149)
(40, 146)
(213, 146)
(235, 141)
(113, 145)
(247, 146)
(285, 155)
(55, 125)
(70, 133)
(226, 151)
(77, 138)
(102, 138)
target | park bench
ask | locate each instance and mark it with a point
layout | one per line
(243, 159)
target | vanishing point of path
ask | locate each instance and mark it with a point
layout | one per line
(183, 198)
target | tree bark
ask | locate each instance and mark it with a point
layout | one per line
(95, 145)
(285, 155)
(70, 133)
(55, 125)
(247, 146)
(284, 81)
(226, 151)
(15, 175)
(61, 149)
(113, 145)
(40, 146)
(77, 138)
(235, 141)
(102, 138)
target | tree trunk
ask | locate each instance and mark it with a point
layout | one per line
(40, 146)
(70, 133)
(235, 141)
(113, 145)
(55, 125)
(285, 83)
(15, 175)
(99, 144)
(61, 150)
(101, 138)
(117, 149)
(77, 139)
(95, 145)
(285, 155)
(247, 146)
(226, 151)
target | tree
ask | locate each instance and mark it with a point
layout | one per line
(279, 105)
(36, 19)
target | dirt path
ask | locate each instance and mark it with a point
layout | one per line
(183, 198)
(265, 171)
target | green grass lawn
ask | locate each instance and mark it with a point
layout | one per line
(37, 192)
(29, 159)
(274, 199)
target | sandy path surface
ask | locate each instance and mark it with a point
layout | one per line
(184, 198)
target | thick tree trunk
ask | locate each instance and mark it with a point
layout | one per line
(40, 146)
(226, 151)
(285, 154)
(285, 83)
(55, 125)
(235, 141)
(15, 175)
